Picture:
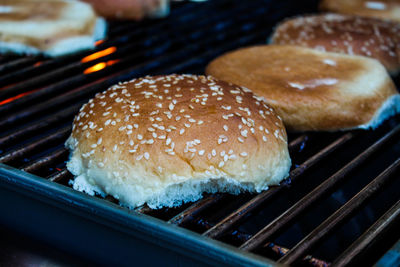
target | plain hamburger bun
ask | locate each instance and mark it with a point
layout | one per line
(312, 90)
(130, 9)
(383, 9)
(49, 27)
(165, 140)
(347, 34)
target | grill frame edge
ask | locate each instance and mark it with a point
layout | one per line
(39, 199)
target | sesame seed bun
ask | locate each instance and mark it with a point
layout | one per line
(347, 34)
(312, 90)
(383, 9)
(165, 140)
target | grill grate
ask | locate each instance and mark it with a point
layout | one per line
(340, 202)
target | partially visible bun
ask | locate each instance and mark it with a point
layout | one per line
(383, 9)
(347, 34)
(165, 140)
(130, 9)
(313, 90)
(49, 27)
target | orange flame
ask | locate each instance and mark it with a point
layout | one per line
(100, 66)
(8, 100)
(98, 42)
(99, 54)
(94, 68)
(38, 63)
(112, 62)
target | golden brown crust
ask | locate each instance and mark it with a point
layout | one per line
(32, 22)
(310, 90)
(382, 9)
(152, 130)
(125, 9)
(347, 34)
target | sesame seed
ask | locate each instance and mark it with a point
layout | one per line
(225, 128)
(139, 137)
(213, 153)
(201, 152)
(244, 133)
(265, 138)
(243, 154)
(181, 131)
(240, 140)
(226, 157)
(139, 157)
(221, 164)
(168, 141)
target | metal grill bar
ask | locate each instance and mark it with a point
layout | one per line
(240, 213)
(46, 160)
(353, 252)
(339, 217)
(63, 175)
(204, 203)
(17, 63)
(59, 135)
(194, 209)
(157, 47)
(320, 191)
(28, 130)
(138, 70)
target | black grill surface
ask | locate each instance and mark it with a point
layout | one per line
(340, 204)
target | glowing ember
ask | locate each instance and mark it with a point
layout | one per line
(8, 100)
(98, 42)
(112, 62)
(38, 63)
(94, 68)
(99, 54)
(100, 66)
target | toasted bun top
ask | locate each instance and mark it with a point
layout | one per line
(383, 9)
(168, 129)
(41, 23)
(309, 89)
(348, 34)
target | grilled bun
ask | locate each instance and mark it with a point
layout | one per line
(347, 34)
(165, 140)
(49, 27)
(312, 90)
(130, 9)
(383, 9)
